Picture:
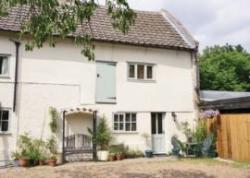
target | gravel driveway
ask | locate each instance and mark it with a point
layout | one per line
(137, 168)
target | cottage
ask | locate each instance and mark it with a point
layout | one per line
(142, 82)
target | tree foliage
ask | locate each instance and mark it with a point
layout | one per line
(53, 19)
(225, 68)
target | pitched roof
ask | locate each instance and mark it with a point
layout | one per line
(151, 29)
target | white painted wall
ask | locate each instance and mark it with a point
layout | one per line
(61, 77)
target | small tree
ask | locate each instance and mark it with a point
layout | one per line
(103, 134)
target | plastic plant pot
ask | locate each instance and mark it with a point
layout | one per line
(149, 153)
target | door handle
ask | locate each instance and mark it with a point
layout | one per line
(98, 75)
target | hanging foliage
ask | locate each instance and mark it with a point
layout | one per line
(49, 20)
(53, 122)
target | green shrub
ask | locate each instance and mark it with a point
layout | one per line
(118, 149)
(200, 132)
(103, 134)
(132, 153)
(32, 149)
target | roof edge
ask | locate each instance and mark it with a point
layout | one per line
(181, 30)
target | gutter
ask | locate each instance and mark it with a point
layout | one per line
(17, 45)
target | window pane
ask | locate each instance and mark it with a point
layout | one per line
(116, 118)
(121, 118)
(3, 65)
(121, 126)
(160, 131)
(115, 126)
(149, 72)
(127, 117)
(133, 126)
(4, 126)
(128, 126)
(5, 115)
(133, 117)
(140, 71)
(153, 123)
(131, 71)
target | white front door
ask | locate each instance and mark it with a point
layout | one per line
(158, 133)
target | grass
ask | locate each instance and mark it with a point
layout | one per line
(206, 161)
(213, 161)
(241, 164)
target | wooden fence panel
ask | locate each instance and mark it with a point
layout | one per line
(233, 136)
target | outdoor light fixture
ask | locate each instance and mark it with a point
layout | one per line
(174, 116)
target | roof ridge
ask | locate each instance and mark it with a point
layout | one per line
(135, 10)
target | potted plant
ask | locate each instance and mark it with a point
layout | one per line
(52, 161)
(42, 160)
(112, 157)
(102, 139)
(24, 145)
(15, 157)
(23, 161)
(52, 147)
(119, 156)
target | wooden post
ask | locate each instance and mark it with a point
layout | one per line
(63, 139)
(94, 135)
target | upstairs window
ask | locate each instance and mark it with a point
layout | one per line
(141, 71)
(125, 122)
(4, 65)
(4, 120)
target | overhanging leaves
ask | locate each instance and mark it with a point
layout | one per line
(49, 19)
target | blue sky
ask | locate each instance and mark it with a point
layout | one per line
(210, 21)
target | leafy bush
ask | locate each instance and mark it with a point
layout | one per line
(118, 149)
(132, 153)
(52, 145)
(34, 149)
(200, 132)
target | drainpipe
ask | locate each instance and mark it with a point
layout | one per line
(17, 44)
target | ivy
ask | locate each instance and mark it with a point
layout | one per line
(50, 19)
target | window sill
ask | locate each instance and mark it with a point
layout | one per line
(4, 77)
(5, 133)
(124, 132)
(102, 102)
(141, 80)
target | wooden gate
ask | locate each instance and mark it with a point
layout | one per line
(233, 136)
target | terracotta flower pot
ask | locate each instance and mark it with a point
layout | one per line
(119, 157)
(41, 162)
(111, 158)
(23, 162)
(52, 162)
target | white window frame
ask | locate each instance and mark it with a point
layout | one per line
(9, 120)
(124, 122)
(8, 66)
(145, 71)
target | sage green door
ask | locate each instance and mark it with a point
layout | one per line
(105, 82)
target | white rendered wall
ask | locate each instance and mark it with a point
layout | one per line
(61, 77)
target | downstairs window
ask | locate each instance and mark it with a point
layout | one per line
(125, 122)
(4, 120)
